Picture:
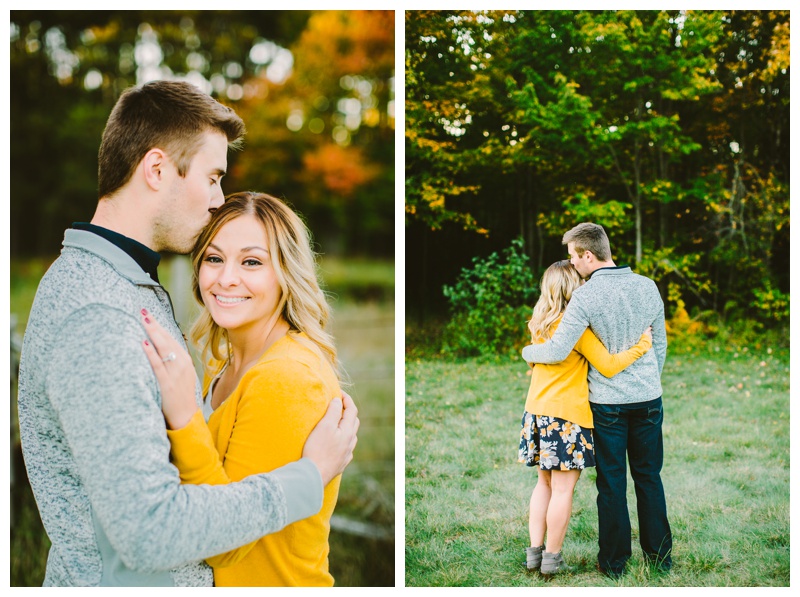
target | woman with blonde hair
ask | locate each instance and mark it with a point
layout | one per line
(270, 373)
(557, 423)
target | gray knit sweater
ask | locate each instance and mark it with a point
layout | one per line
(618, 305)
(95, 443)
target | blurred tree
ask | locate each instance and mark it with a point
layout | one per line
(69, 67)
(324, 138)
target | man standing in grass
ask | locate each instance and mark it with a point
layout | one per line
(618, 304)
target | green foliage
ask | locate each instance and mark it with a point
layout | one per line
(709, 332)
(684, 272)
(667, 127)
(439, 159)
(490, 304)
(25, 276)
(771, 304)
(582, 206)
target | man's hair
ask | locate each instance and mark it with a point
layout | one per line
(589, 237)
(170, 115)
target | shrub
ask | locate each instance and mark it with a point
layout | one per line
(772, 306)
(490, 304)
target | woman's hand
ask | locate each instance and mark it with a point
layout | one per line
(174, 371)
(649, 333)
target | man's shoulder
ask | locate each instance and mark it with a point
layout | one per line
(81, 285)
(75, 265)
(82, 274)
(641, 281)
(622, 275)
(608, 286)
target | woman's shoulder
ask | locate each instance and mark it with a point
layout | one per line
(294, 348)
(291, 359)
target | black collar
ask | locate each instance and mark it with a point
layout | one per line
(147, 259)
(623, 266)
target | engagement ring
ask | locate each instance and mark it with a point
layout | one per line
(170, 357)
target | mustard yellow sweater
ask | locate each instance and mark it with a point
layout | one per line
(562, 390)
(261, 426)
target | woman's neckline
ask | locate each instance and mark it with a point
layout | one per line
(214, 381)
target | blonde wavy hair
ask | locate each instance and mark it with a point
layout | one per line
(558, 283)
(302, 302)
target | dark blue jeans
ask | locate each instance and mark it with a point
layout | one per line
(635, 430)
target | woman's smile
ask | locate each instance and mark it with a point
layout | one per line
(229, 300)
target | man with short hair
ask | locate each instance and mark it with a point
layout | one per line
(618, 304)
(93, 434)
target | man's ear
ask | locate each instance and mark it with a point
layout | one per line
(153, 164)
(589, 256)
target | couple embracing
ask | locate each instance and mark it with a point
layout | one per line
(143, 475)
(595, 400)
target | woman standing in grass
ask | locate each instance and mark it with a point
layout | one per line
(270, 378)
(557, 422)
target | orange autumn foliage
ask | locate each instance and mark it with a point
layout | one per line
(341, 169)
(337, 43)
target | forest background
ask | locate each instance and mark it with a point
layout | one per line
(671, 130)
(316, 92)
(668, 128)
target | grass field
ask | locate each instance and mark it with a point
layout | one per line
(363, 325)
(726, 476)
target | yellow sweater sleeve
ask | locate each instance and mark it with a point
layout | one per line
(606, 363)
(280, 403)
(194, 453)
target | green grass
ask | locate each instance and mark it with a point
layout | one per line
(364, 332)
(726, 476)
(358, 279)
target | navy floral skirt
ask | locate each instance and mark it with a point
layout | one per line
(555, 444)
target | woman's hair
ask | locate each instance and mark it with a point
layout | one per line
(558, 283)
(302, 303)
(171, 115)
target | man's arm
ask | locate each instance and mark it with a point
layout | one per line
(660, 338)
(105, 394)
(569, 331)
(279, 406)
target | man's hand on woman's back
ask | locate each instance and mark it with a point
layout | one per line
(331, 443)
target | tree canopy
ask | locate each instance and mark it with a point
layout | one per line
(669, 128)
(315, 89)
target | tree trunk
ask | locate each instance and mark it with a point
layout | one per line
(637, 199)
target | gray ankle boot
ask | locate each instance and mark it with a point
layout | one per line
(533, 557)
(553, 563)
